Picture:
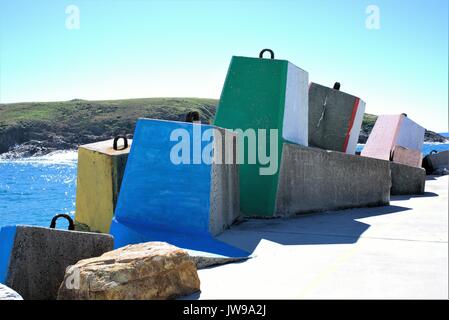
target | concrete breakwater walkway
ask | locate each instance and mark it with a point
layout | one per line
(398, 251)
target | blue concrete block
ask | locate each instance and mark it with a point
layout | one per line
(7, 236)
(185, 204)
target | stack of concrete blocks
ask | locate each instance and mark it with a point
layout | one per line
(335, 118)
(398, 139)
(180, 186)
(33, 260)
(273, 94)
(100, 173)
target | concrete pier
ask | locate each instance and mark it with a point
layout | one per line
(398, 251)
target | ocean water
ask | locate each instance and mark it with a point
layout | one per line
(427, 147)
(33, 190)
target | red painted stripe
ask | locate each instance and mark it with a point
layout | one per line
(351, 123)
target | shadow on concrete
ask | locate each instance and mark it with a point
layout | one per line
(433, 177)
(337, 227)
(409, 196)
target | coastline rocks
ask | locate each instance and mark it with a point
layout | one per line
(8, 293)
(151, 270)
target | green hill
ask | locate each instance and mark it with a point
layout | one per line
(47, 126)
(37, 128)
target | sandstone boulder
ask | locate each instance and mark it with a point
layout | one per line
(152, 270)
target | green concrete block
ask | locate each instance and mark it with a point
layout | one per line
(263, 94)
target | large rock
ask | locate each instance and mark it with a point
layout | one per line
(8, 293)
(152, 270)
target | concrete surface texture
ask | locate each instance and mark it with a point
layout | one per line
(263, 94)
(335, 119)
(397, 252)
(100, 173)
(39, 257)
(407, 179)
(318, 180)
(185, 203)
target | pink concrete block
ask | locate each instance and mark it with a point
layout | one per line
(391, 132)
(383, 137)
(407, 156)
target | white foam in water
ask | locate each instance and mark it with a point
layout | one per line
(62, 157)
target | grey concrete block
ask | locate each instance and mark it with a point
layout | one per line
(335, 119)
(437, 163)
(40, 256)
(319, 180)
(225, 187)
(406, 179)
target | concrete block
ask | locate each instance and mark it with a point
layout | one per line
(318, 180)
(390, 131)
(174, 191)
(407, 180)
(437, 162)
(33, 260)
(407, 156)
(265, 94)
(335, 119)
(100, 172)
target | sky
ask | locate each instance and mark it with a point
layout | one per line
(140, 49)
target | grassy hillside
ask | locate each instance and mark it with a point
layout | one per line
(64, 125)
(46, 126)
(82, 112)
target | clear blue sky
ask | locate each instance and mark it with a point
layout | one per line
(127, 49)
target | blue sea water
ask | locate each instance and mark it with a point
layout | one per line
(33, 190)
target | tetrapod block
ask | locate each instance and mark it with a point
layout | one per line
(335, 118)
(263, 94)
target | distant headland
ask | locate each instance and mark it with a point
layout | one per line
(37, 128)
